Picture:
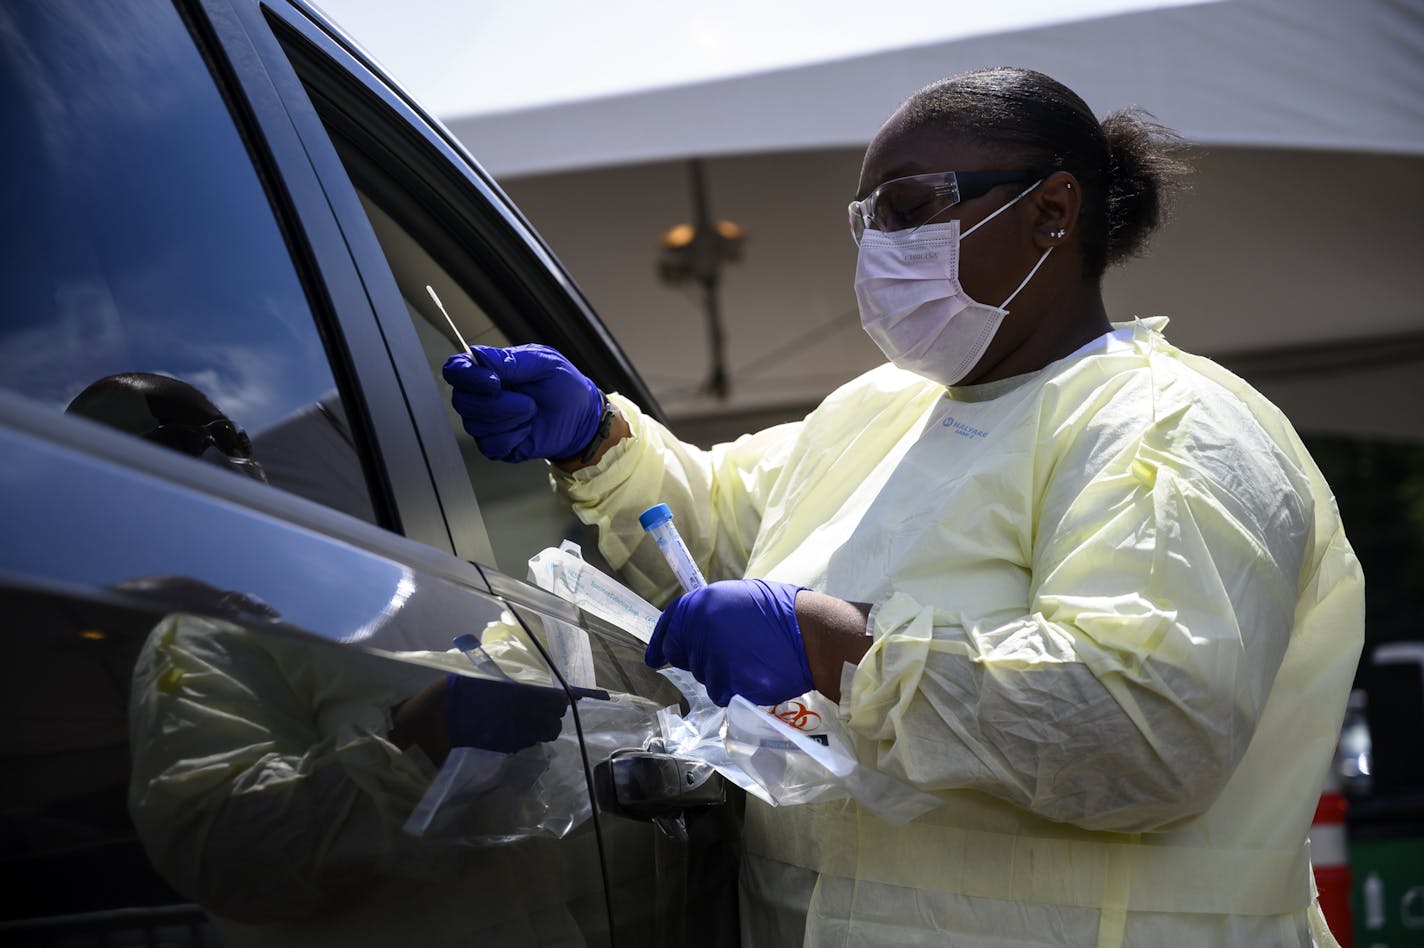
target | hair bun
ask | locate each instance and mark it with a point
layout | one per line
(1144, 172)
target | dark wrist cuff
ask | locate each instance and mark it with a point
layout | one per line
(605, 425)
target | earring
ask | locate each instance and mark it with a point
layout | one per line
(1057, 234)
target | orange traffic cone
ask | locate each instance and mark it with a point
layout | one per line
(1329, 856)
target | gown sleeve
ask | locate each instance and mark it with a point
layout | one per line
(717, 497)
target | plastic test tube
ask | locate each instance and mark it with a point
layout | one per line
(475, 652)
(657, 520)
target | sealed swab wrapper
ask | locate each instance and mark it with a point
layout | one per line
(562, 571)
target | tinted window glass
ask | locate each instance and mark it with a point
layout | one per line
(148, 284)
(521, 513)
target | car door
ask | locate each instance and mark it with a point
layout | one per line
(226, 556)
(419, 216)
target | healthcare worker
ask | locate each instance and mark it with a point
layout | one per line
(1087, 588)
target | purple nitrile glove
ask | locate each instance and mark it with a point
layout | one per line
(505, 716)
(523, 402)
(736, 637)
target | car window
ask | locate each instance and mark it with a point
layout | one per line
(521, 513)
(149, 285)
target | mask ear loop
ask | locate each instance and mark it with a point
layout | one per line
(1005, 303)
(1001, 210)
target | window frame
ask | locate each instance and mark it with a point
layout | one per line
(380, 418)
(307, 58)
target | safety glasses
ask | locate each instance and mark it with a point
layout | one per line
(194, 439)
(916, 200)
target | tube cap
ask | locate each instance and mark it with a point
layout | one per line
(466, 642)
(655, 516)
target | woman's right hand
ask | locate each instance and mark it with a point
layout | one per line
(524, 402)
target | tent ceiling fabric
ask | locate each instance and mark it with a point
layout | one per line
(1316, 74)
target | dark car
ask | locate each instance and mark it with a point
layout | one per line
(240, 527)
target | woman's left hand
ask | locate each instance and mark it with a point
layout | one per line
(737, 637)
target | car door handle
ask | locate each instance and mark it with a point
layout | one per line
(646, 785)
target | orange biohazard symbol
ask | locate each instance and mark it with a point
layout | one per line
(798, 716)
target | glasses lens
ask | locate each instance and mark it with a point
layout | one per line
(193, 439)
(185, 438)
(857, 221)
(912, 202)
(225, 435)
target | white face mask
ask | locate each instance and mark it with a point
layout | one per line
(911, 303)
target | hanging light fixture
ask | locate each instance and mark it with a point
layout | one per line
(696, 253)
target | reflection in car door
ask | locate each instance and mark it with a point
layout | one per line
(257, 756)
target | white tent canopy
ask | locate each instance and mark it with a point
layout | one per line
(1343, 75)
